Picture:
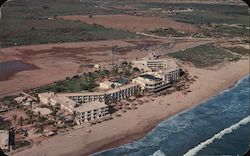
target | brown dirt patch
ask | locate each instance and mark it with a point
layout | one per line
(130, 23)
(9, 115)
(57, 61)
(123, 7)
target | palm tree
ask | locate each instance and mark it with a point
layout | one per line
(21, 121)
(74, 116)
(14, 116)
(31, 118)
(41, 127)
(39, 114)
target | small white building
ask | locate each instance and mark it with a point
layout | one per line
(97, 66)
(106, 85)
(4, 139)
(20, 99)
(47, 98)
(109, 85)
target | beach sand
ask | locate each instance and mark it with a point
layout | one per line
(135, 124)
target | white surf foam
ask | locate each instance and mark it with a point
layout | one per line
(158, 153)
(219, 135)
(235, 85)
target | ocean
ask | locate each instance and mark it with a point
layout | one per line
(218, 126)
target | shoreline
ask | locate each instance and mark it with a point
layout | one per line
(140, 135)
(116, 132)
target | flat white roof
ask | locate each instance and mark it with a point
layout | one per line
(109, 83)
(63, 100)
(20, 98)
(43, 111)
(121, 88)
(81, 94)
(84, 107)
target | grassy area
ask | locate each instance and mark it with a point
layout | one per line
(204, 56)
(34, 22)
(26, 22)
(239, 50)
(76, 84)
(4, 125)
(89, 81)
(206, 14)
(210, 13)
(42, 31)
(21, 144)
(207, 17)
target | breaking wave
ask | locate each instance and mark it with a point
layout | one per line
(199, 129)
(158, 153)
(219, 135)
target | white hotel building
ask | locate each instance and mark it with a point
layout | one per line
(157, 74)
(156, 81)
(89, 105)
(84, 111)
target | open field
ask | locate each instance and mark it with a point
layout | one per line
(34, 22)
(42, 31)
(57, 61)
(239, 50)
(27, 22)
(214, 13)
(131, 23)
(201, 12)
(204, 56)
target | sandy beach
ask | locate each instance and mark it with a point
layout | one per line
(135, 124)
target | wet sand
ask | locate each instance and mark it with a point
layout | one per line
(10, 68)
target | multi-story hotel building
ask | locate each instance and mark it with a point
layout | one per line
(157, 73)
(84, 111)
(157, 81)
(89, 101)
(91, 111)
(85, 96)
(121, 92)
(148, 65)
